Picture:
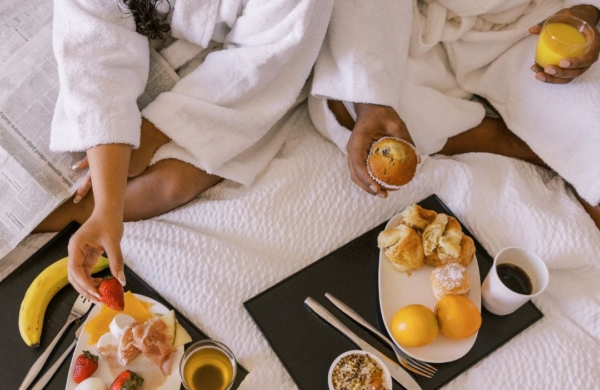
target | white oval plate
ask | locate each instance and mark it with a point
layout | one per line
(173, 381)
(398, 289)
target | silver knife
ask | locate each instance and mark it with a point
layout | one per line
(397, 372)
(43, 381)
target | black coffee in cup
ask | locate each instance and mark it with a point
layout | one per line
(514, 278)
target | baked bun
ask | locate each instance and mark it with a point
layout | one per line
(449, 243)
(467, 251)
(392, 162)
(417, 217)
(403, 247)
(450, 279)
(433, 232)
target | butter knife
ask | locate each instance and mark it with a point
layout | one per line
(396, 371)
(43, 381)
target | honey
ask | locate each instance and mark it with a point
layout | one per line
(207, 368)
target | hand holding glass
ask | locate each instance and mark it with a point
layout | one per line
(562, 36)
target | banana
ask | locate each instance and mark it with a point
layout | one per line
(39, 294)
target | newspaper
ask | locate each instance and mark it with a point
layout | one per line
(33, 179)
(21, 21)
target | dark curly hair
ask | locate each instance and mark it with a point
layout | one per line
(148, 19)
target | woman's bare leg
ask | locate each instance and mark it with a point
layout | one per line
(161, 188)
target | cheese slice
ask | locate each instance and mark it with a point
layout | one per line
(99, 325)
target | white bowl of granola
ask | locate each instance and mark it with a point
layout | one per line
(359, 370)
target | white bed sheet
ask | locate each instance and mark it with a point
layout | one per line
(233, 242)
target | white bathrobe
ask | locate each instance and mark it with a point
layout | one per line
(458, 48)
(224, 116)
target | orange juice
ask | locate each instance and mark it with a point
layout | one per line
(558, 41)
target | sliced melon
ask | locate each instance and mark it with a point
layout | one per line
(182, 337)
(169, 320)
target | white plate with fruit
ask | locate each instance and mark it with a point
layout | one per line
(422, 331)
(104, 329)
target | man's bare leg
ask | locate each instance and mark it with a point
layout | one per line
(161, 188)
(593, 211)
(492, 136)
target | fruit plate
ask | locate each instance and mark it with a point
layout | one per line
(398, 289)
(108, 375)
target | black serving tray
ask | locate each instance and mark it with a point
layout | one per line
(307, 346)
(16, 357)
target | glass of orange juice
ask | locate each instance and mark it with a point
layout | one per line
(208, 365)
(562, 36)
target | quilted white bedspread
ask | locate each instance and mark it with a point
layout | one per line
(233, 242)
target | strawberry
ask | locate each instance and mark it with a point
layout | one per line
(85, 365)
(127, 380)
(111, 294)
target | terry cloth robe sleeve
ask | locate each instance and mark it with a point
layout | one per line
(103, 68)
(230, 102)
(365, 51)
(363, 60)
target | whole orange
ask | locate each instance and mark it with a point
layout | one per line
(457, 316)
(414, 326)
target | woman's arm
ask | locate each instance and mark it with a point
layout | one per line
(103, 68)
(104, 229)
(363, 60)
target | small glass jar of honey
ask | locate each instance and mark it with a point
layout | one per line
(208, 365)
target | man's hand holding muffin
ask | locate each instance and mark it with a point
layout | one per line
(373, 122)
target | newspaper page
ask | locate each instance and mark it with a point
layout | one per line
(20, 22)
(33, 179)
(161, 78)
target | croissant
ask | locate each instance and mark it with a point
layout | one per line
(467, 251)
(449, 243)
(417, 217)
(433, 232)
(403, 247)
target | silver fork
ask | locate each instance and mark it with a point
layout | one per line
(414, 365)
(79, 309)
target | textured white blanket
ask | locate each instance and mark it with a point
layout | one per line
(234, 241)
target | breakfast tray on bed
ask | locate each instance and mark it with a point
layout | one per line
(307, 346)
(16, 357)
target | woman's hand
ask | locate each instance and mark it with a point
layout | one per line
(151, 140)
(372, 123)
(570, 68)
(103, 231)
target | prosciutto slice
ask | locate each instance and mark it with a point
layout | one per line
(110, 353)
(149, 338)
(152, 339)
(127, 347)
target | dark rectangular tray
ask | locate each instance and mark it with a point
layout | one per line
(16, 357)
(307, 346)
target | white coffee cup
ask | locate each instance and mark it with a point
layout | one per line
(499, 299)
